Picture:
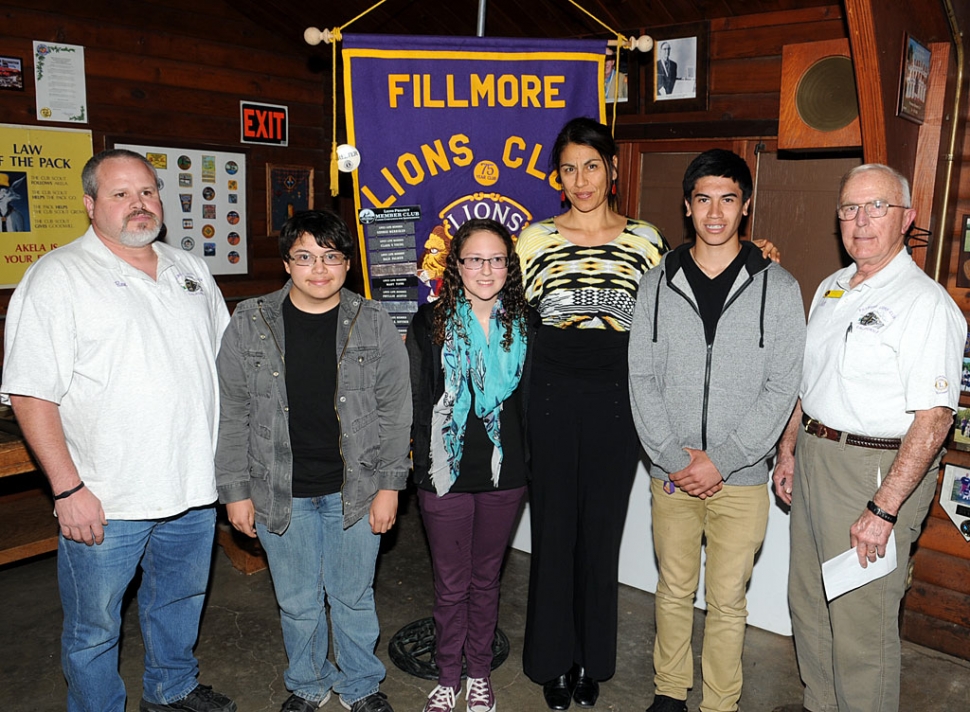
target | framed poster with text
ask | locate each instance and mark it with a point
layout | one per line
(41, 199)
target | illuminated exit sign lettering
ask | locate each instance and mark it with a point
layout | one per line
(263, 123)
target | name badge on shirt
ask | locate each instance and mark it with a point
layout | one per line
(833, 294)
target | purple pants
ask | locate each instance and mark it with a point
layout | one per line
(468, 534)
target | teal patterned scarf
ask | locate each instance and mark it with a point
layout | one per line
(479, 365)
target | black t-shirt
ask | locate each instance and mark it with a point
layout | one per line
(475, 470)
(711, 293)
(311, 383)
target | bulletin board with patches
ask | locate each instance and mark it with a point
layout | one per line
(204, 197)
(441, 130)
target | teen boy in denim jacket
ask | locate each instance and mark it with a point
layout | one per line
(313, 447)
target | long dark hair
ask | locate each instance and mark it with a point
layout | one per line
(586, 132)
(514, 305)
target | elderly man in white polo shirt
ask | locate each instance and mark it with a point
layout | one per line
(110, 367)
(880, 384)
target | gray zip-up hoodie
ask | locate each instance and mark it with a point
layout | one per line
(731, 399)
(373, 405)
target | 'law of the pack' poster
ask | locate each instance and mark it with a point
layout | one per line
(41, 199)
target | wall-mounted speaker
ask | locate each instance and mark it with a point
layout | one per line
(819, 106)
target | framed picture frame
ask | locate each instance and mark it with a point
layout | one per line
(621, 79)
(289, 190)
(677, 72)
(11, 73)
(961, 428)
(914, 77)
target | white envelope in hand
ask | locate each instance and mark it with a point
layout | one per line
(844, 573)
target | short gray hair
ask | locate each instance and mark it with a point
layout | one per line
(89, 176)
(891, 172)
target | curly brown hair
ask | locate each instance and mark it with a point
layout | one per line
(514, 305)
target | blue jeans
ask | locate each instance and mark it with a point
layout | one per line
(314, 562)
(174, 555)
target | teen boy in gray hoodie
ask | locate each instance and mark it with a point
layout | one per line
(715, 362)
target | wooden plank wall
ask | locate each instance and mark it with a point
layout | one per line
(171, 72)
(744, 81)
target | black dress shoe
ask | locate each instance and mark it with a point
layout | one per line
(585, 689)
(557, 693)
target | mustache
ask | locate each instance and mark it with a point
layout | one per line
(139, 213)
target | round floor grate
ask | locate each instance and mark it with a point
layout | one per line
(412, 649)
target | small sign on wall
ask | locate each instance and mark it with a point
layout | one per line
(267, 124)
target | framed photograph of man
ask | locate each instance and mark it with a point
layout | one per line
(679, 68)
(621, 79)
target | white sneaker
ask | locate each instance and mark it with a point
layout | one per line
(442, 699)
(479, 695)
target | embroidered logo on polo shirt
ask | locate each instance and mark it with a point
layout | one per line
(941, 384)
(874, 319)
(190, 284)
(870, 319)
(119, 283)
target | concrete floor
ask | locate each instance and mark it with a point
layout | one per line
(241, 649)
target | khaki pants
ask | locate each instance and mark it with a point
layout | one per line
(848, 649)
(734, 523)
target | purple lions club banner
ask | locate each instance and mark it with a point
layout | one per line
(454, 128)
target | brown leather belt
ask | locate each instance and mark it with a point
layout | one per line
(814, 427)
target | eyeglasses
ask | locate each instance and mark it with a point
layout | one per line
(307, 259)
(476, 263)
(874, 209)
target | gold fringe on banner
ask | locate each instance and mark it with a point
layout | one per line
(335, 37)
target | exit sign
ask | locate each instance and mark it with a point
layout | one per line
(263, 123)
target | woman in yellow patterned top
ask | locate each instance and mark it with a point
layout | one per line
(581, 271)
